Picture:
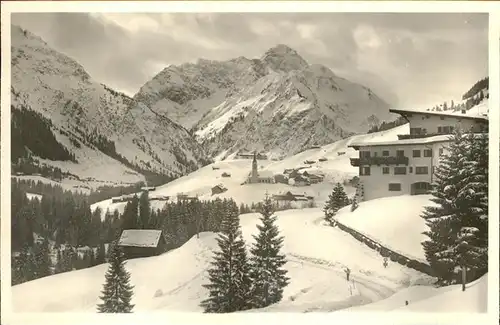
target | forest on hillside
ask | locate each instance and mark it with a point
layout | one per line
(60, 233)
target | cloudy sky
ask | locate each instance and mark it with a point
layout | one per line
(412, 60)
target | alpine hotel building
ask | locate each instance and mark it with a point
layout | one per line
(407, 166)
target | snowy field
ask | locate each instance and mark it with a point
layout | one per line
(317, 256)
(450, 299)
(337, 168)
(394, 222)
(72, 185)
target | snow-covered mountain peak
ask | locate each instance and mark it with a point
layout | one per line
(320, 70)
(28, 47)
(283, 58)
(90, 121)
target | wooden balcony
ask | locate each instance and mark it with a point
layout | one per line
(369, 161)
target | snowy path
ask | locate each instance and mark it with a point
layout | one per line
(317, 256)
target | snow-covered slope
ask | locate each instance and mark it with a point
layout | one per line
(337, 168)
(385, 219)
(83, 112)
(429, 299)
(278, 104)
(317, 256)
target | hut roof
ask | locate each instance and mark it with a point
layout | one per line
(140, 238)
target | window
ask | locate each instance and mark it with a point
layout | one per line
(385, 153)
(428, 153)
(399, 170)
(365, 171)
(442, 117)
(416, 131)
(375, 154)
(400, 153)
(394, 187)
(441, 151)
(364, 154)
(411, 170)
(445, 129)
(422, 186)
(416, 153)
(385, 170)
(422, 170)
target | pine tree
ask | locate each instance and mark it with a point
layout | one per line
(130, 214)
(59, 263)
(144, 211)
(336, 200)
(117, 291)
(42, 260)
(458, 225)
(268, 277)
(101, 254)
(230, 284)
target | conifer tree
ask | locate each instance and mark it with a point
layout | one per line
(101, 254)
(229, 287)
(42, 259)
(144, 211)
(267, 273)
(59, 263)
(117, 291)
(458, 224)
(130, 214)
(336, 200)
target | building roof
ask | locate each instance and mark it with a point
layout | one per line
(220, 186)
(314, 172)
(434, 139)
(457, 114)
(265, 173)
(140, 238)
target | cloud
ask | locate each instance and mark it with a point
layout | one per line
(408, 58)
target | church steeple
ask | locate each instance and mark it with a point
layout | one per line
(255, 175)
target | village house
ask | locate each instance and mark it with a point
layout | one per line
(314, 177)
(142, 243)
(407, 165)
(251, 156)
(159, 198)
(185, 197)
(123, 198)
(226, 174)
(300, 180)
(218, 189)
(289, 197)
(428, 124)
(281, 178)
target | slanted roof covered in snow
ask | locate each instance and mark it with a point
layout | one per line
(140, 238)
(434, 139)
(220, 186)
(457, 114)
(265, 173)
